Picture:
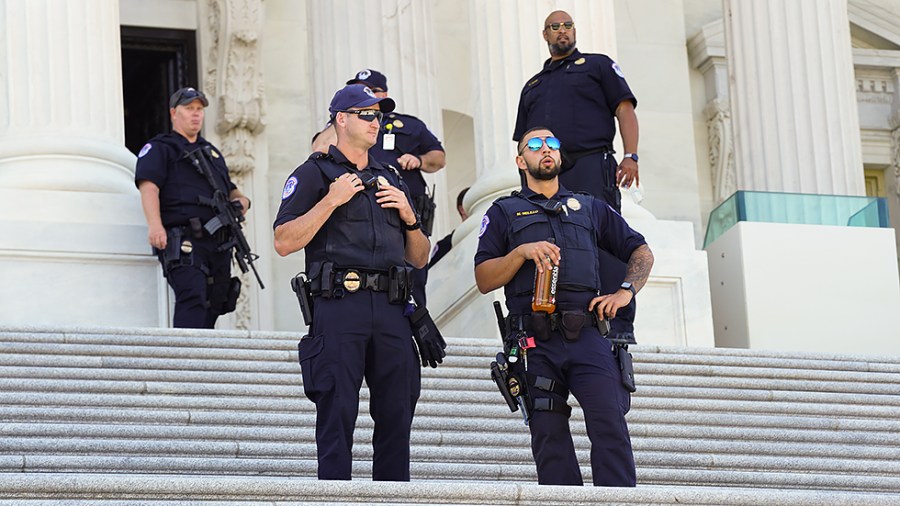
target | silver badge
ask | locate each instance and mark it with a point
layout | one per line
(382, 181)
(573, 204)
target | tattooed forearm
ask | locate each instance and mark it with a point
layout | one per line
(638, 268)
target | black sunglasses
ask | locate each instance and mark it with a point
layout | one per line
(366, 114)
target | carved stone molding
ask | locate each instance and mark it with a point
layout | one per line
(721, 149)
(234, 77)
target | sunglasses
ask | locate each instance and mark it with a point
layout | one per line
(368, 115)
(568, 25)
(536, 143)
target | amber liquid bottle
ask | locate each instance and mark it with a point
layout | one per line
(545, 288)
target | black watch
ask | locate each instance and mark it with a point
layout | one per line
(628, 286)
(415, 226)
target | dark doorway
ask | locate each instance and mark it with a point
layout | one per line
(155, 63)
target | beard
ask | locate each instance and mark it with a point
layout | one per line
(561, 49)
(542, 173)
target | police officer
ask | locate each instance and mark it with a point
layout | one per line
(404, 142)
(170, 187)
(569, 355)
(357, 225)
(578, 96)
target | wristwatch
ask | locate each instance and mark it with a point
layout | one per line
(628, 286)
(633, 156)
(414, 226)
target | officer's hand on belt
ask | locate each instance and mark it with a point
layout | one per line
(344, 188)
(394, 198)
(606, 306)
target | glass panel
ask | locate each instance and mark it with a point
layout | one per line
(799, 208)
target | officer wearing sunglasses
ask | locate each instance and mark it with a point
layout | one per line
(355, 222)
(567, 352)
(581, 97)
(198, 271)
(406, 143)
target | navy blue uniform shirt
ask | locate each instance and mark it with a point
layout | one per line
(162, 161)
(613, 235)
(576, 98)
(410, 136)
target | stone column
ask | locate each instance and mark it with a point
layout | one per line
(74, 238)
(790, 136)
(394, 37)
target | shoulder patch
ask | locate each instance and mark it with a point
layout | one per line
(144, 150)
(617, 70)
(289, 186)
(485, 221)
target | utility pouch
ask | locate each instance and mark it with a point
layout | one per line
(425, 207)
(571, 323)
(234, 291)
(626, 366)
(326, 277)
(399, 284)
(540, 325)
(301, 286)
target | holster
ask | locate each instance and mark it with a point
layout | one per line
(326, 277)
(626, 366)
(425, 207)
(234, 291)
(400, 285)
(301, 286)
(172, 256)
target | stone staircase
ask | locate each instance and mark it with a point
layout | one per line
(167, 416)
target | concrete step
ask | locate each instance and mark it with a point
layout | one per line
(206, 403)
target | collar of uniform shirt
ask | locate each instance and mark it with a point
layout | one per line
(342, 160)
(575, 55)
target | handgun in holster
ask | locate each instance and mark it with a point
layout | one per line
(172, 256)
(399, 284)
(300, 284)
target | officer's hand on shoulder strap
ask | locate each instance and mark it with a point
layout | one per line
(342, 189)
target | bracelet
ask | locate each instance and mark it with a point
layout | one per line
(415, 226)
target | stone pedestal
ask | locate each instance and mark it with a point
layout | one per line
(74, 247)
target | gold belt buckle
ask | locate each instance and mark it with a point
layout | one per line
(352, 281)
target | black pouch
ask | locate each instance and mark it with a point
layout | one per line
(540, 325)
(626, 366)
(234, 291)
(571, 323)
(425, 207)
(399, 284)
(326, 278)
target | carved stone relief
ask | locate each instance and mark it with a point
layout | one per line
(234, 77)
(721, 149)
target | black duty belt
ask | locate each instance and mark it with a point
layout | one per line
(353, 280)
(574, 156)
(523, 321)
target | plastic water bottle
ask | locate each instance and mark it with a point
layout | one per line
(635, 191)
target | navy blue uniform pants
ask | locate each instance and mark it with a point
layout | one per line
(596, 174)
(590, 370)
(205, 271)
(352, 338)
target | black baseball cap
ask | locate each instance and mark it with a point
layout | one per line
(371, 78)
(186, 96)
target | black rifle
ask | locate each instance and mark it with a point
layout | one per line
(227, 215)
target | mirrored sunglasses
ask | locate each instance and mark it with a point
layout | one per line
(568, 25)
(535, 143)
